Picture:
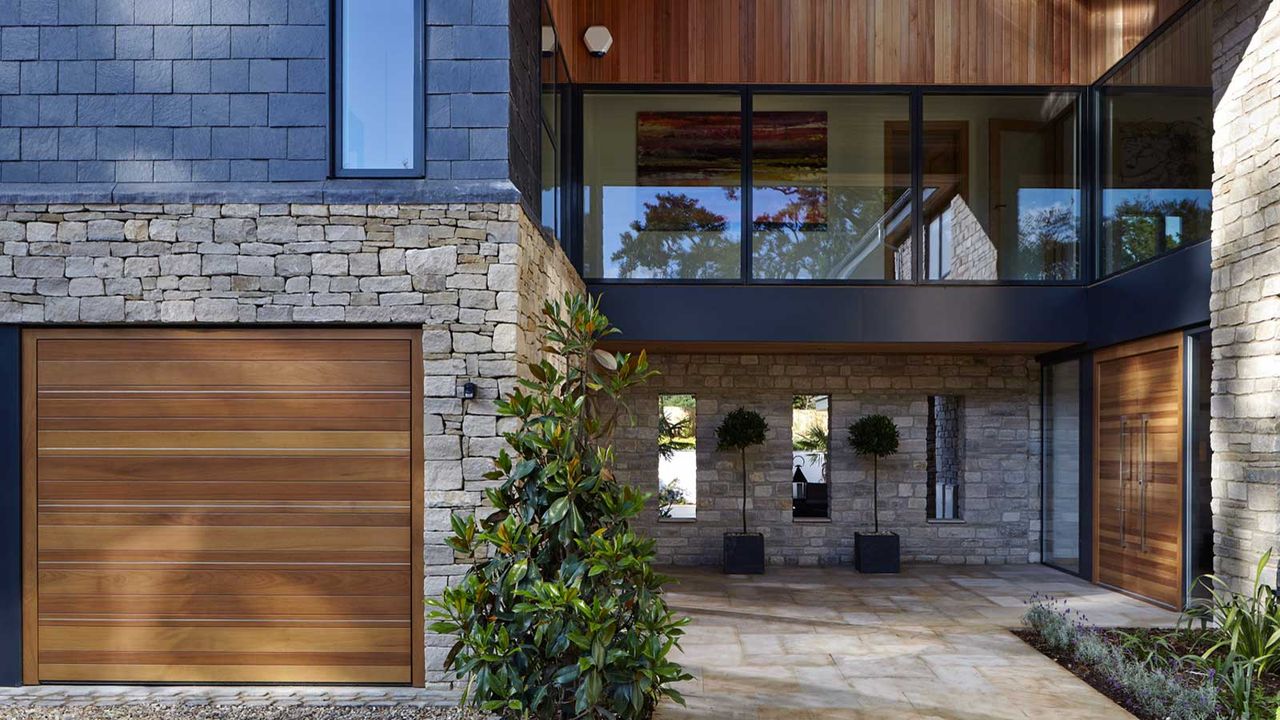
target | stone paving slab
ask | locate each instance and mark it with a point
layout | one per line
(793, 644)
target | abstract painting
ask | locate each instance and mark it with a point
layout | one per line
(704, 149)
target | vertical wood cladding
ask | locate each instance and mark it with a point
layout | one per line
(991, 42)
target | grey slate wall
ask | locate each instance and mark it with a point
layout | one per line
(225, 91)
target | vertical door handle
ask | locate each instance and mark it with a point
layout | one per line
(1144, 479)
(1122, 466)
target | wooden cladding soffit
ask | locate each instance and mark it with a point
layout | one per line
(963, 42)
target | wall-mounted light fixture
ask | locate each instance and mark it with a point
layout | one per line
(469, 391)
(598, 40)
(548, 40)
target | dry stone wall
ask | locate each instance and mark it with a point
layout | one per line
(1245, 303)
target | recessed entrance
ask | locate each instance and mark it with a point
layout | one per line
(222, 506)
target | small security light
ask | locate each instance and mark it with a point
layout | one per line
(548, 40)
(598, 40)
(469, 391)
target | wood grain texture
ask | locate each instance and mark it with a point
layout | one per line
(223, 506)
(1138, 401)
(967, 42)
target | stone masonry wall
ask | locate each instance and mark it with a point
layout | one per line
(1245, 303)
(1000, 396)
(469, 274)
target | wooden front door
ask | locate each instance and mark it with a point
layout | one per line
(1137, 503)
(222, 506)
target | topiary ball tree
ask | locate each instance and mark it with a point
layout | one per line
(741, 429)
(877, 436)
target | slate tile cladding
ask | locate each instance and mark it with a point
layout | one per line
(230, 91)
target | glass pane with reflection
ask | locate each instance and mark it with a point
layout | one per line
(810, 456)
(1157, 146)
(1001, 189)
(831, 180)
(379, 89)
(1061, 481)
(662, 176)
(677, 457)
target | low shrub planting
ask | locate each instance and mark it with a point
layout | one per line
(1197, 670)
(1154, 688)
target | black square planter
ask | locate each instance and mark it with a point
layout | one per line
(743, 553)
(876, 553)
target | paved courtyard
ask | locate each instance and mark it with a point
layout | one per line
(933, 642)
(794, 644)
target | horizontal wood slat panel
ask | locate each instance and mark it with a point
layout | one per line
(222, 506)
(236, 673)
(243, 407)
(320, 582)
(218, 491)
(220, 440)
(173, 349)
(249, 469)
(212, 374)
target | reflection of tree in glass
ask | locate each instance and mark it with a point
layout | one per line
(669, 496)
(678, 238)
(1136, 226)
(814, 232)
(1047, 242)
(676, 429)
(813, 439)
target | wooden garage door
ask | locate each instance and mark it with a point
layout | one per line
(222, 506)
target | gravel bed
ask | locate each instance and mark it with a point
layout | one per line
(234, 712)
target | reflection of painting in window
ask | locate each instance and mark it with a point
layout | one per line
(810, 455)
(677, 457)
(1159, 154)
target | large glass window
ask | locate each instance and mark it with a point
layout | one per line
(662, 185)
(831, 187)
(555, 82)
(810, 456)
(1001, 188)
(380, 93)
(677, 457)
(1157, 146)
(1061, 469)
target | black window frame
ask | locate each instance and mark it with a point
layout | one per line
(914, 94)
(563, 140)
(336, 98)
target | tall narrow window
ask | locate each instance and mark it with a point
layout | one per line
(810, 451)
(555, 83)
(677, 457)
(379, 90)
(945, 456)
(1061, 473)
